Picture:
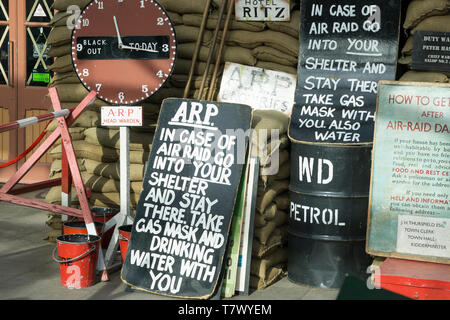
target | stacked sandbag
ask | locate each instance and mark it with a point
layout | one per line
(271, 45)
(268, 45)
(98, 146)
(269, 251)
(427, 15)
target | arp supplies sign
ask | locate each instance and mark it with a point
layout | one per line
(409, 210)
(262, 10)
(257, 87)
(180, 231)
(346, 47)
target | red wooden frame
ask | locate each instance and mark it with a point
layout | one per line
(70, 158)
(70, 169)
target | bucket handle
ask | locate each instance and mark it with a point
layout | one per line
(73, 259)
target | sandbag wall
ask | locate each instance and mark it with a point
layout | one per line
(429, 15)
(269, 250)
(271, 45)
(96, 147)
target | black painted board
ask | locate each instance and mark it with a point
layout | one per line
(431, 51)
(345, 48)
(183, 217)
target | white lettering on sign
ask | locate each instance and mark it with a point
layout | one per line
(122, 116)
(191, 115)
(313, 215)
(262, 10)
(306, 168)
(343, 54)
(257, 87)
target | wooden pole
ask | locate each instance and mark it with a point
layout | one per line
(211, 50)
(221, 47)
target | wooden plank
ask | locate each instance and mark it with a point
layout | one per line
(4, 137)
(35, 186)
(40, 205)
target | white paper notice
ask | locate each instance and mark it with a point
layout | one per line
(423, 236)
(257, 87)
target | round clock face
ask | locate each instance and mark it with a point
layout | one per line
(123, 49)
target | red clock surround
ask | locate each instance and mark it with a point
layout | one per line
(123, 49)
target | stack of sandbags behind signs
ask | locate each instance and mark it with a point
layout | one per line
(98, 148)
(269, 251)
(268, 45)
(429, 15)
(271, 45)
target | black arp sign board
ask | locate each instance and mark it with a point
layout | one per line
(431, 51)
(346, 47)
(179, 235)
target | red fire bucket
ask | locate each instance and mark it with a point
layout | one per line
(77, 258)
(103, 215)
(124, 237)
(79, 227)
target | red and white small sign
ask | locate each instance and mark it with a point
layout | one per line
(122, 116)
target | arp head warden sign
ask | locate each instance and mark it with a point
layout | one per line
(180, 231)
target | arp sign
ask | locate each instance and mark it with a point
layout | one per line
(122, 116)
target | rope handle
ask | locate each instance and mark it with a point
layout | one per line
(31, 147)
(73, 259)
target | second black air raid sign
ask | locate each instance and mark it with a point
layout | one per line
(180, 231)
(346, 47)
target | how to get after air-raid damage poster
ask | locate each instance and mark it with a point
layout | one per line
(409, 211)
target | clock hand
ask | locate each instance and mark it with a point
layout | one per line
(119, 39)
(135, 48)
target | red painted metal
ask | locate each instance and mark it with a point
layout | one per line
(8, 194)
(66, 143)
(35, 186)
(415, 279)
(103, 218)
(32, 120)
(124, 237)
(72, 173)
(77, 258)
(40, 205)
(34, 158)
(79, 227)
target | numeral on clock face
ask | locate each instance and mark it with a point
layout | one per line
(126, 45)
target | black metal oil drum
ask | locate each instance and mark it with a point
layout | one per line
(333, 170)
(329, 195)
